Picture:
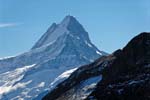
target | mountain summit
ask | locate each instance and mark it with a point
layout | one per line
(69, 25)
(63, 47)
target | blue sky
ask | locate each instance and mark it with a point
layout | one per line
(110, 23)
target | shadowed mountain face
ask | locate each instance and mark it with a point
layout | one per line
(128, 77)
(125, 75)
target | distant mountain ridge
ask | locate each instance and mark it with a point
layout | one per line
(63, 47)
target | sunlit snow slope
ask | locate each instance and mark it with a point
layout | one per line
(63, 47)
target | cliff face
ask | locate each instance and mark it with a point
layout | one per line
(67, 89)
(125, 75)
(128, 77)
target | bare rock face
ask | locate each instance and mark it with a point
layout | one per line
(125, 75)
(68, 88)
(128, 78)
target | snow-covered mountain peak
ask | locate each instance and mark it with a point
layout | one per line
(63, 47)
(67, 20)
(69, 25)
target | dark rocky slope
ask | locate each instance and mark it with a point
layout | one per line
(125, 74)
(77, 77)
(128, 77)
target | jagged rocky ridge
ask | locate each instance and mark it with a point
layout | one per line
(63, 47)
(125, 75)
